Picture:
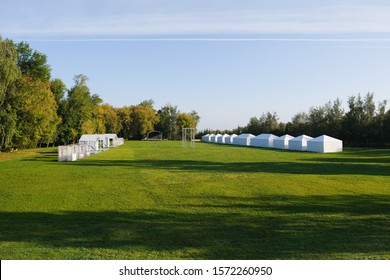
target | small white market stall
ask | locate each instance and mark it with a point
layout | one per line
(282, 142)
(325, 144)
(205, 138)
(96, 142)
(67, 153)
(243, 139)
(229, 139)
(264, 140)
(213, 139)
(221, 139)
(299, 143)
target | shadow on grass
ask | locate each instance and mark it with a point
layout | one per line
(315, 166)
(267, 227)
(44, 156)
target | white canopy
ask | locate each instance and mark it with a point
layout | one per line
(264, 140)
(229, 139)
(205, 138)
(325, 144)
(282, 141)
(213, 138)
(221, 139)
(243, 139)
(299, 143)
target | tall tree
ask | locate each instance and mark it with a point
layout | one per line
(124, 116)
(108, 121)
(334, 116)
(9, 70)
(33, 63)
(36, 111)
(382, 132)
(168, 119)
(58, 88)
(298, 124)
(317, 121)
(184, 120)
(9, 73)
(143, 119)
(81, 115)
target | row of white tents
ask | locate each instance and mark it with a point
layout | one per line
(321, 144)
(89, 144)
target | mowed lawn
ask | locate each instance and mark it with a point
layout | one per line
(157, 200)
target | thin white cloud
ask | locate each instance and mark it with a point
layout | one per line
(334, 19)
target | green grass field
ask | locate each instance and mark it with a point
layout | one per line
(156, 200)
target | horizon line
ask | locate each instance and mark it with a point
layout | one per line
(203, 39)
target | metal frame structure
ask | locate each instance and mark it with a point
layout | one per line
(189, 133)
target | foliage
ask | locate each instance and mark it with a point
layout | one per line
(363, 124)
(124, 116)
(37, 113)
(9, 71)
(143, 119)
(168, 121)
(172, 121)
(81, 111)
(33, 63)
(108, 121)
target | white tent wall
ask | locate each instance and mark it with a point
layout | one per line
(119, 142)
(264, 140)
(229, 139)
(67, 153)
(88, 143)
(205, 138)
(99, 142)
(299, 143)
(213, 139)
(243, 139)
(112, 139)
(282, 142)
(209, 137)
(63, 152)
(221, 139)
(325, 144)
(81, 151)
(92, 141)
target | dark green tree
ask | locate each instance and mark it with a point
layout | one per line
(33, 63)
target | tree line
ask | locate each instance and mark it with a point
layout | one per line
(364, 123)
(37, 110)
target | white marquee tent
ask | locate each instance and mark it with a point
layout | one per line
(112, 140)
(73, 152)
(96, 142)
(243, 139)
(264, 140)
(221, 139)
(229, 139)
(205, 138)
(282, 141)
(88, 143)
(299, 143)
(100, 142)
(213, 139)
(325, 144)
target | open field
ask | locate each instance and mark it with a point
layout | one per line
(156, 200)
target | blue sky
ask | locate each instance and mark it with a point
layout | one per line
(228, 60)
